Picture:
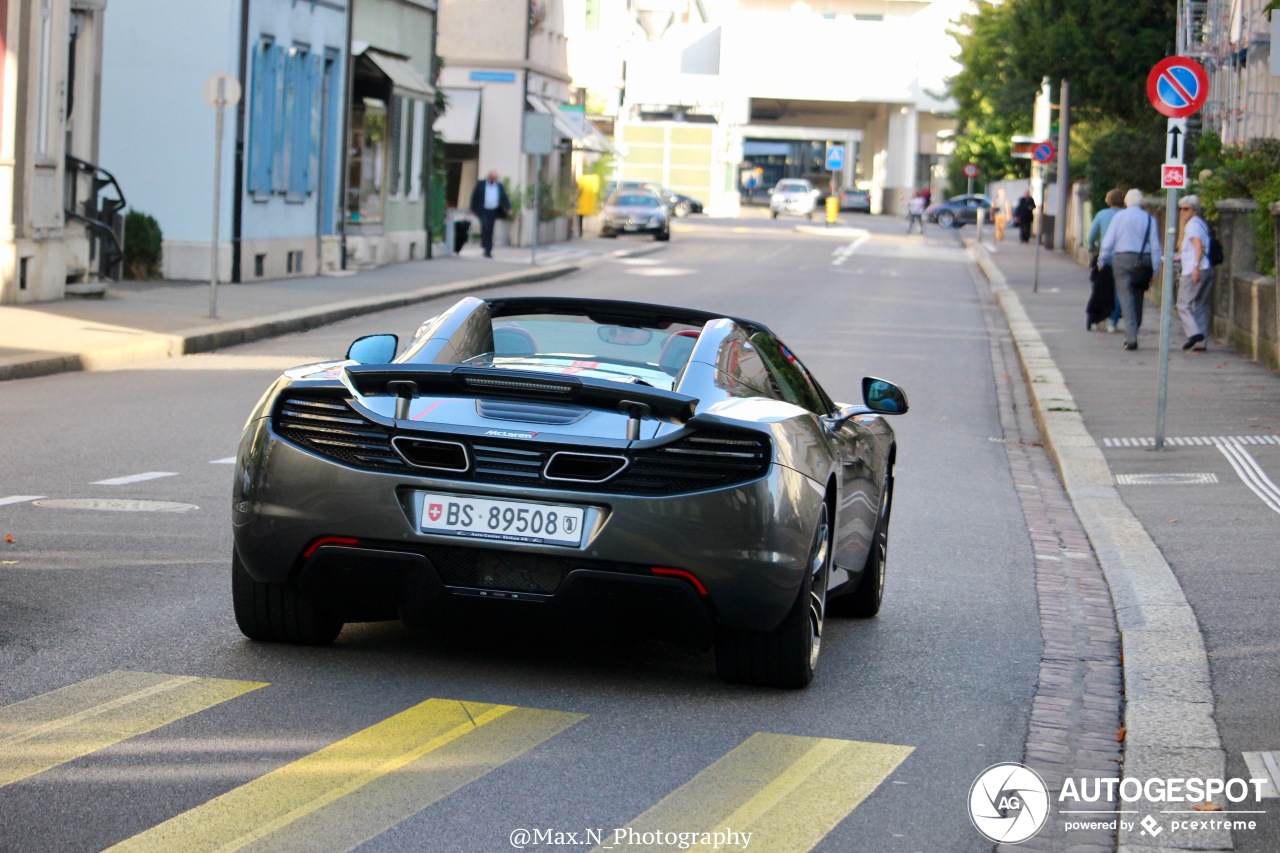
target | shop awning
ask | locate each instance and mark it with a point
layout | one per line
(564, 126)
(461, 118)
(583, 133)
(403, 75)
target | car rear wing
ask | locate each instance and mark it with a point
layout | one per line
(407, 381)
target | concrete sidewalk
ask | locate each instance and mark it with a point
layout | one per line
(1089, 396)
(143, 321)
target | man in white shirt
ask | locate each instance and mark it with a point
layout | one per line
(1132, 233)
(489, 203)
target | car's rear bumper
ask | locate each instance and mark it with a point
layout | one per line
(746, 545)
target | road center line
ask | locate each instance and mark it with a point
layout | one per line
(135, 478)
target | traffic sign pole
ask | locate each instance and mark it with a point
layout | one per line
(1177, 87)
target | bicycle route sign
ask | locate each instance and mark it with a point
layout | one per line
(1177, 86)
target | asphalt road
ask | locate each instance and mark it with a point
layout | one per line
(125, 607)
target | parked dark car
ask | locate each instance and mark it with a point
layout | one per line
(592, 461)
(854, 199)
(959, 210)
(679, 204)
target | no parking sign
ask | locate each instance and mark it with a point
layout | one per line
(1178, 86)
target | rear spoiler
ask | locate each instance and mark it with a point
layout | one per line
(407, 381)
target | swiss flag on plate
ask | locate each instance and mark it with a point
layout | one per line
(433, 512)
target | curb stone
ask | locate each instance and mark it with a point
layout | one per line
(1169, 707)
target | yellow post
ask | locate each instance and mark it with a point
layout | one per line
(833, 209)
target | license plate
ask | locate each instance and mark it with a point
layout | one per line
(630, 227)
(509, 521)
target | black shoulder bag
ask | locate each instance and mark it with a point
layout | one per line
(1142, 273)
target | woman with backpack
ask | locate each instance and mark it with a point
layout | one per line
(1195, 284)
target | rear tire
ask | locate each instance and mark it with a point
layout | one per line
(278, 612)
(681, 209)
(946, 219)
(787, 655)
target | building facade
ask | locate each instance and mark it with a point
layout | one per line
(59, 212)
(503, 59)
(387, 202)
(774, 84)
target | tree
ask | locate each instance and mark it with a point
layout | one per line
(1106, 50)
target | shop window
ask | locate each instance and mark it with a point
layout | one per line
(365, 181)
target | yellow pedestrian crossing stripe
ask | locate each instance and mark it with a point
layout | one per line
(787, 791)
(355, 789)
(54, 728)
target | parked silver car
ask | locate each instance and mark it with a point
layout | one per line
(676, 470)
(794, 196)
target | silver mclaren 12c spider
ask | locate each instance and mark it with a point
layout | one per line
(665, 467)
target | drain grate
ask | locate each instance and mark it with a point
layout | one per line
(1165, 479)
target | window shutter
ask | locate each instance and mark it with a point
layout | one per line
(261, 131)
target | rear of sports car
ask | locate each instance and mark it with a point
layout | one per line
(347, 510)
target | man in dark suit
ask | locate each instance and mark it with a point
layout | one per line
(489, 202)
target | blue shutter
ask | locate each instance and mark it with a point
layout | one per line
(280, 125)
(261, 130)
(317, 120)
(298, 138)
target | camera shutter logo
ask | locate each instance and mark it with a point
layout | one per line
(1008, 803)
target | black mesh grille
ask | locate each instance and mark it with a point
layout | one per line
(330, 427)
(511, 571)
(707, 459)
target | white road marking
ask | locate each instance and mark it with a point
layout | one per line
(1232, 447)
(19, 499)
(843, 253)
(228, 460)
(1165, 479)
(1252, 474)
(135, 478)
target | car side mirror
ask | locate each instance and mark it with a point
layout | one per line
(883, 396)
(373, 349)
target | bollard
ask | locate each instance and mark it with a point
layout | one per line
(833, 209)
(448, 235)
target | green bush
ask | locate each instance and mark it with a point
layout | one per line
(1249, 171)
(142, 241)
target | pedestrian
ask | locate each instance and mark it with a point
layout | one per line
(915, 212)
(489, 202)
(1131, 247)
(1000, 213)
(1195, 284)
(1103, 309)
(1024, 214)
